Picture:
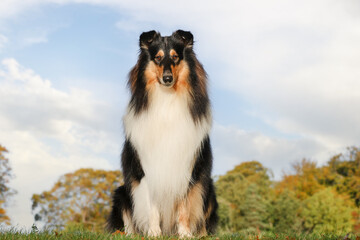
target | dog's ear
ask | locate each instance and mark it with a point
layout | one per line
(184, 36)
(147, 38)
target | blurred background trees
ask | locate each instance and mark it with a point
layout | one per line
(309, 198)
(5, 191)
(327, 212)
(284, 212)
(78, 200)
(243, 194)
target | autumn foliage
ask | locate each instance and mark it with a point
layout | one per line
(311, 198)
(5, 191)
(78, 200)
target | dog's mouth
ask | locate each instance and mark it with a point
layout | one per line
(167, 83)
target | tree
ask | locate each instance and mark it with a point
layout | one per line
(224, 213)
(256, 173)
(305, 182)
(327, 212)
(285, 213)
(230, 189)
(254, 210)
(5, 191)
(81, 199)
(232, 193)
(343, 172)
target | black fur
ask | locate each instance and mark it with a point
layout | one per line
(131, 164)
(121, 201)
(202, 173)
(139, 98)
(150, 43)
(181, 41)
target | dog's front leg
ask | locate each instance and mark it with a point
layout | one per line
(183, 221)
(154, 222)
(190, 213)
(146, 214)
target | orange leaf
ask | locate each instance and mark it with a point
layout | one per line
(118, 232)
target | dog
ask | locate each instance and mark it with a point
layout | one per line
(166, 158)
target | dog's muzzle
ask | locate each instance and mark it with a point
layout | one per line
(167, 79)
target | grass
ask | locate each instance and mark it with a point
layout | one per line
(86, 235)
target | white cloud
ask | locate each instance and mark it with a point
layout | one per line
(233, 146)
(35, 40)
(296, 62)
(50, 132)
(311, 90)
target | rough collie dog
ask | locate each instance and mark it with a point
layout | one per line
(166, 159)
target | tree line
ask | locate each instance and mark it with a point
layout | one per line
(309, 198)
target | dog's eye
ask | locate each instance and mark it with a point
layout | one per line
(175, 57)
(158, 58)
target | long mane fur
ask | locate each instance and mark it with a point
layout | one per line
(166, 158)
(200, 102)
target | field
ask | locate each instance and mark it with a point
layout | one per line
(14, 235)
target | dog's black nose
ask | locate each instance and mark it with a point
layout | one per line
(167, 79)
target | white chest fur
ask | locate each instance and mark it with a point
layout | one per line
(166, 139)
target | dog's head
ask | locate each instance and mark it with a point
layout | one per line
(166, 57)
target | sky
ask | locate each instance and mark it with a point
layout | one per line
(284, 82)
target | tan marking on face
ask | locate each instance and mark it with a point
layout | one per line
(181, 75)
(172, 52)
(159, 56)
(153, 73)
(190, 210)
(160, 53)
(174, 56)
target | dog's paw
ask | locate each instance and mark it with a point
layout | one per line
(184, 232)
(154, 231)
(185, 235)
